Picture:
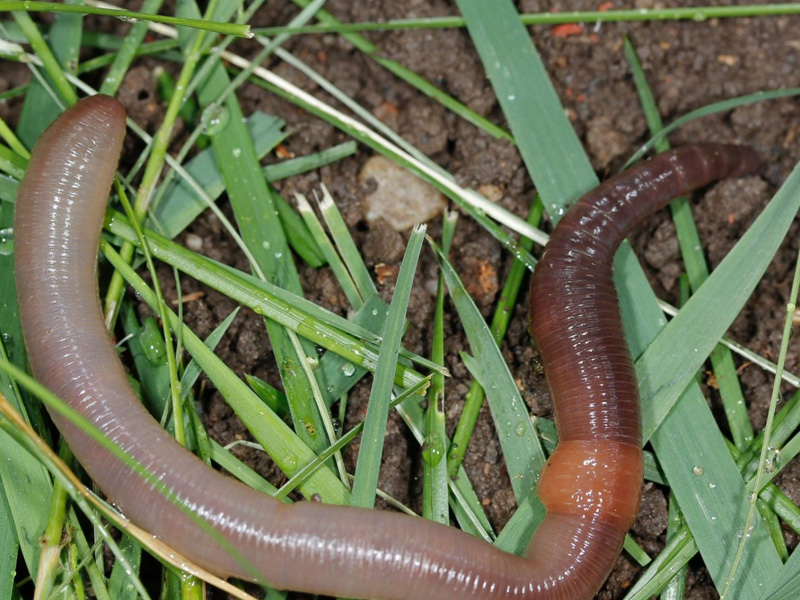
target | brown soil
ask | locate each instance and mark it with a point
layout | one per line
(688, 64)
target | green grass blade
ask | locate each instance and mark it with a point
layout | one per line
(500, 320)
(665, 566)
(241, 471)
(523, 452)
(328, 251)
(40, 107)
(260, 227)
(312, 162)
(371, 450)
(696, 267)
(710, 109)
(26, 483)
(434, 450)
(713, 497)
(670, 362)
(309, 320)
(347, 247)
(529, 102)
(128, 51)
(9, 545)
(203, 25)
(180, 204)
(787, 585)
(695, 13)
(297, 233)
(119, 586)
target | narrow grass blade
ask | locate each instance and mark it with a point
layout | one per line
(696, 13)
(40, 106)
(25, 482)
(78, 9)
(180, 204)
(665, 566)
(529, 102)
(119, 584)
(371, 450)
(128, 51)
(710, 109)
(713, 497)
(786, 586)
(670, 362)
(696, 267)
(521, 448)
(500, 320)
(328, 251)
(309, 320)
(347, 247)
(304, 164)
(255, 212)
(434, 450)
(9, 545)
(241, 471)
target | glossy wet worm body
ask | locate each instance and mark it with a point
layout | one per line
(590, 486)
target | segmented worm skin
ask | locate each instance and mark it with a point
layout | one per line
(590, 486)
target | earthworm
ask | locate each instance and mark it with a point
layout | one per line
(590, 486)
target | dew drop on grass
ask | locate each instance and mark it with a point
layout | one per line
(6, 241)
(433, 450)
(215, 118)
(348, 369)
(772, 461)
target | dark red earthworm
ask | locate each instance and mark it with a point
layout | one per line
(590, 486)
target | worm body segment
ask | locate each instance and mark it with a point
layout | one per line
(590, 486)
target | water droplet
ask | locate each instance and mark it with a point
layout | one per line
(697, 470)
(6, 241)
(433, 450)
(237, 152)
(348, 369)
(520, 429)
(313, 362)
(215, 118)
(772, 461)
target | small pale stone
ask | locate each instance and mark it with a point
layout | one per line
(194, 242)
(402, 199)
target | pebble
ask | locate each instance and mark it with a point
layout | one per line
(398, 196)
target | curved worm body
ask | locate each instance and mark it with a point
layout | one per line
(590, 486)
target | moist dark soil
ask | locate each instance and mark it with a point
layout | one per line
(688, 64)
